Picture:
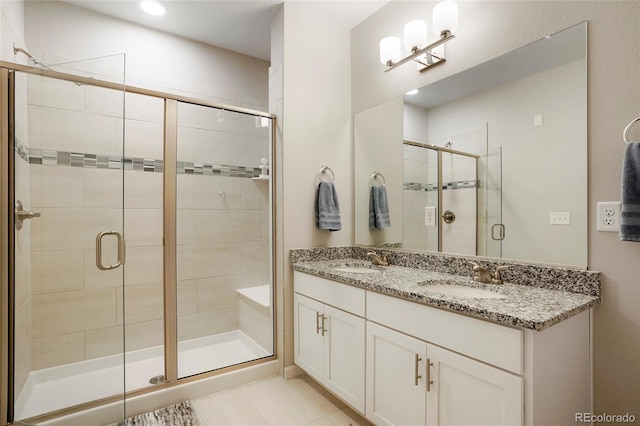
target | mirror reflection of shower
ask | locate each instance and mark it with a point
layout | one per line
(441, 188)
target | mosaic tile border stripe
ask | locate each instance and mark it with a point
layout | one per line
(428, 187)
(96, 161)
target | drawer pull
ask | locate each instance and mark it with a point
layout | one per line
(418, 359)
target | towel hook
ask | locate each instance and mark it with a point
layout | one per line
(625, 134)
(376, 175)
(325, 169)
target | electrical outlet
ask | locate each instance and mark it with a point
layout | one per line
(609, 216)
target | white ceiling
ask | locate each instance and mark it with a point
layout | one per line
(242, 26)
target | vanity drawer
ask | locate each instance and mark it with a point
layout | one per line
(341, 296)
(494, 344)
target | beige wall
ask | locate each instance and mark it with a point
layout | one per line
(316, 131)
(154, 59)
(374, 152)
(489, 29)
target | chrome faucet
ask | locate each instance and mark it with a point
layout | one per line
(482, 274)
(377, 260)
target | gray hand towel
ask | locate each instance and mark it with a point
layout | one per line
(630, 215)
(379, 208)
(327, 207)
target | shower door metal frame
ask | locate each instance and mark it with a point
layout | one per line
(169, 238)
(439, 150)
(6, 252)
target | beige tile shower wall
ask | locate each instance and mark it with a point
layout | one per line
(223, 221)
(460, 235)
(79, 311)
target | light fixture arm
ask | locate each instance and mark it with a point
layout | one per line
(445, 37)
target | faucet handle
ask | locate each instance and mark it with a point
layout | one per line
(377, 260)
(497, 275)
(477, 268)
(480, 273)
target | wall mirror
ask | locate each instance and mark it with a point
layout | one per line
(490, 162)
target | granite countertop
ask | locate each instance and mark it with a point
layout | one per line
(524, 306)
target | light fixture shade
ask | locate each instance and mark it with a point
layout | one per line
(390, 50)
(152, 7)
(415, 35)
(445, 17)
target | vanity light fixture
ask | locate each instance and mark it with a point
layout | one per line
(445, 22)
(152, 7)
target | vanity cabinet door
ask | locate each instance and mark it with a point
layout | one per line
(396, 387)
(308, 341)
(329, 346)
(344, 350)
(468, 392)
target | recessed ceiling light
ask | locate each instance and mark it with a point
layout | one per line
(152, 7)
(412, 92)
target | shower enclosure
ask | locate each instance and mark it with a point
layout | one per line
(140, 248)
(452, 200)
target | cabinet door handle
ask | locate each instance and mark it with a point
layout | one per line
(324, 330)
(318, 326)
(429, 381)
(418, 359)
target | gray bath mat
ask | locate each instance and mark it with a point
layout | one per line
(182, 414)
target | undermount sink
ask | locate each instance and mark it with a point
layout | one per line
(464, 291)
(356, 270)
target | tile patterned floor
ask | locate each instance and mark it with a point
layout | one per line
(276, 402)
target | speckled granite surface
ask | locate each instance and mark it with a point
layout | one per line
(536, 296)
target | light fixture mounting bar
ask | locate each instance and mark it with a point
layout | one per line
(426, 49)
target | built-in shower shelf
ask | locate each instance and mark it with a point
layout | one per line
(260, 178)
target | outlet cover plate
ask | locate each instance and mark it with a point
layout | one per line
(608, 216)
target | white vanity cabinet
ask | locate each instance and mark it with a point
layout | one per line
(410, 382)
(329, 336)
(431, 366)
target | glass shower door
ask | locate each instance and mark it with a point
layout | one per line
(68, 251)
(496, 231)
(224, 239)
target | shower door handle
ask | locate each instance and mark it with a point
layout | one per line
(501, 232)
(121, 251)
